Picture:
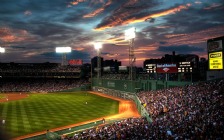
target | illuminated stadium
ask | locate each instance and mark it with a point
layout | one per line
(109, 70)
(61, 101)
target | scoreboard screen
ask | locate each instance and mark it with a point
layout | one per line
(215, 60)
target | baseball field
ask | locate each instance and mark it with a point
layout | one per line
(39, 112)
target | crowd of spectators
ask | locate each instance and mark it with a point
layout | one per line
(39, 67)
(191, 112)
(127, 129)
(39, 84)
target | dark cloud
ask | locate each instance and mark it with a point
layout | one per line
(73, 55)
(18, 47)
(180, 49)
(45, 29)
(181, 26)
(151, 20)
(162, 42)
(195, 19)
(126, 11)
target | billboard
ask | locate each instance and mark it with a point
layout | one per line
(214, 46)
(123, 68)
(166, 68)
(215, 60)
(75, 62)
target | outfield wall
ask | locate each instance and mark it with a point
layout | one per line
(135, 86)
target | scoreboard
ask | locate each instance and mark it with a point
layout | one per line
(185, 67)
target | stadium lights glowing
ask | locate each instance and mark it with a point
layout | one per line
(2, 50)
(98, 45)
(63, 49)
(130, 33)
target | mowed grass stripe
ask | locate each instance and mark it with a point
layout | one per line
(26, 123)
(47, 111)
(13, 116)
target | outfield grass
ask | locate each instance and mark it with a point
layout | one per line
(39, 112)
(2, 96)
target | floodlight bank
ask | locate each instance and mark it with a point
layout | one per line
(98, 45)
(63, 49)
(130, 33)
(2, 50)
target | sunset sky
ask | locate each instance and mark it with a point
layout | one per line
(30, 30)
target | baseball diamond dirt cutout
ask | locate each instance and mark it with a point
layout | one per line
(127, 109)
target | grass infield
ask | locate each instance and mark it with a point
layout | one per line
(39, 112)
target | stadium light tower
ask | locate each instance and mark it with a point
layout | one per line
(2, 50)
(64, 51)
(130, 36)
(98, 47)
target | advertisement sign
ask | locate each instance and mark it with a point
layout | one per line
(214, 46)
(166, 68)
(75, 62)
(215, 61)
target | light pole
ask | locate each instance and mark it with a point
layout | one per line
(130, 36)
(98, 47)
(2, 50)
(63, 50)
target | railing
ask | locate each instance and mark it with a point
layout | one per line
(68, 130)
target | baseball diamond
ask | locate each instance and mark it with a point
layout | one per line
(29, 113)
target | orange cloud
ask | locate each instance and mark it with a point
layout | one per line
(98, 11)
(8, 35)
(115, 40)
(147, 48)
(194, 38)
(112, 55)
(94, 13)
(174, 35)
(75, 2)
(162, 27)
(79, 49)
(121, 19)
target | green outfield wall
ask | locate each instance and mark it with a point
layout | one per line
(135, 86)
